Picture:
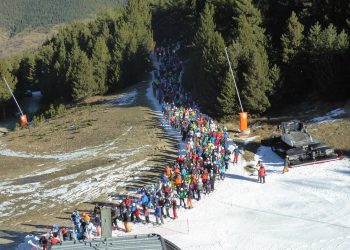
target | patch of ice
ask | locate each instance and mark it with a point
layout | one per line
(329, 117)
(127, 153)
(69, 177)
(19, 189)
(136, 164)
(247, 140)
(145, 168)
(43, 172)
(123, 99)
(5, 206)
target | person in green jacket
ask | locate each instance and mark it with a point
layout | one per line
(182, 196)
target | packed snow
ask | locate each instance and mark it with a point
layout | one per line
(330, 116)
(306, 208)
(124, 99)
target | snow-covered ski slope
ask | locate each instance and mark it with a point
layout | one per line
(306, 208)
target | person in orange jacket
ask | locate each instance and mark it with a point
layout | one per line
(168, 172)
(178, 182)
(205, 177)
(261, 173)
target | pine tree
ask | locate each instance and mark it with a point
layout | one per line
(100, 60)
(253, 64)
(203, 87)
(134, 40)
(26, 73)
(227, 103)
(211, 81)
(5, 95)
(44, 72)
(60, 70)
(113, 69)
(292, 40)
(80, 75)
(327, 59)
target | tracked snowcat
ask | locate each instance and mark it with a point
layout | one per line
(296, 143)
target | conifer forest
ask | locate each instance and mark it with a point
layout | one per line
(284, 51)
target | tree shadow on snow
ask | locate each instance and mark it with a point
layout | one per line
(343, 171)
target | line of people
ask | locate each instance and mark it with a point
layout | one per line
(194, 173)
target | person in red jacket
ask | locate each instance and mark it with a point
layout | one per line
(261, 173)
(127, 202)
(174, 205)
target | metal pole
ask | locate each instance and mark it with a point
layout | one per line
(14, 98)
(234, 80)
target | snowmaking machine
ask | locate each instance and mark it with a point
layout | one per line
(295, 142)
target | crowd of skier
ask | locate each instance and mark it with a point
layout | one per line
(203, 161)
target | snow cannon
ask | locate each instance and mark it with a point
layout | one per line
(295, 142)
(243, 121)
(24, 120)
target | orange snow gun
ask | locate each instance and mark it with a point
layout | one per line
(23, 119)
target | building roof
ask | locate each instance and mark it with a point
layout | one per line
(131, 242)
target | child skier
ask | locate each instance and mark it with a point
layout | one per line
(236, 154)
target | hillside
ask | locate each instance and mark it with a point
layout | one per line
(25, 25)
(25, 40)
(18, 15)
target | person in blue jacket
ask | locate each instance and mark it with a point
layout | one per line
(159, 215)
(144, 202)
(164, 178)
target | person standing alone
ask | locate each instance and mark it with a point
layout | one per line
(236, 154)
(286, 164)
(261, 173)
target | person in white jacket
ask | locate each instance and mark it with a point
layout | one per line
(90, 228)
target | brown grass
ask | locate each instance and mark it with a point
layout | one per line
(26, 40)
